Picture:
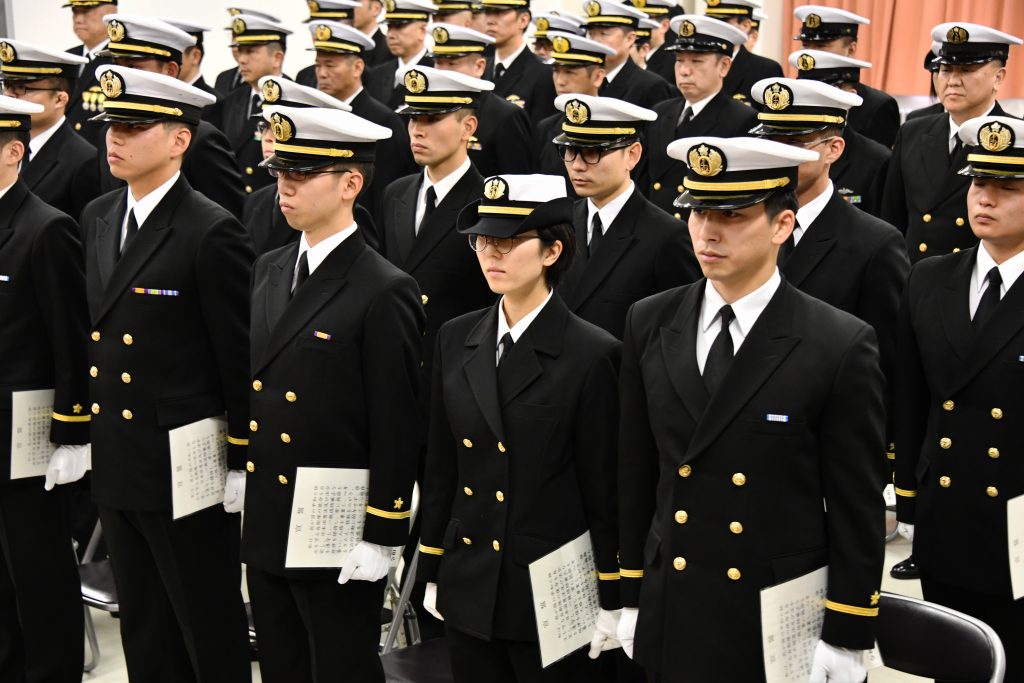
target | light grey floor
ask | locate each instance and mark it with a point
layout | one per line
(111, 668)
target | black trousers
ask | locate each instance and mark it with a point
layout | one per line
(179, 590)
(41, 635)
(1003, 614)
(316, 631)
(507, 661)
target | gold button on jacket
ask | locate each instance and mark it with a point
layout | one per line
(679, 564)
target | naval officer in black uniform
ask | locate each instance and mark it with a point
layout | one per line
(521, 457)
(42, 304)
(167, 276)
(736, 393)
(957, 393)
(89, 26)
(519, 75)
(747, 68)
(335, 367)
(339, 11)
(407, 31)
(924, 195)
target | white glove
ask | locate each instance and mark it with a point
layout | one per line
(905, 530)
(604, 632)
(430, 600)
(625, 629)
(366, 562)
(234, 491)
(837, 665)
(67, 464)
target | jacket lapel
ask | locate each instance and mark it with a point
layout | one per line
(955, 308)
(279, 285)
(679, 350)
(661, 135)
(441, 222)
(9, 205)
(480, 370)
(818, 240)
(405, 220)
(934, 152)
(767, 345)
(522, 367)
(40, 165)
(617, 240)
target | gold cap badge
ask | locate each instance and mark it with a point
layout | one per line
(805, 62)
(284, 129)
(706, 160)
(238, 26)
(957, 35)
(116, 31)
(592, 8)
(543, 24)
(7, 53)
(560, 44)
(777, 97)
(111, 85)
(324, 33)
(812, 21)
(495, 188)
(415, 82)
(271, 91)
(687, 28)
(440, 34)
(995, 137)
(577, 112)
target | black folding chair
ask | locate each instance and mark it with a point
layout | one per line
(932, 641)
(98, 590)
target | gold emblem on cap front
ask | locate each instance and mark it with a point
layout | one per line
(389, 5)
(282, 126)
(271, 91)
(640, 3)
(415, 82)
(593, 8)
(313, 5)
(957, 35)
(495, 188)
(812, 21)
(324, 33)
(995, 137)
(777, 97)
(714, 3)
(440, 35)
(577, 112)
(238, 26)
(116, 31)
(543, 24)
(111, 85)
(805, 62)
(560, 44)
(7, 53)
(687, 28)
(705, 160)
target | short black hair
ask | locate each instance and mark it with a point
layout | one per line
(566, 234)
(9, 136)
(365, 170)
(780, 201)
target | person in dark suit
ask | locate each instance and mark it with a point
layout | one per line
(519, 75)
(628, 248)
(615, 25)
(407, 31)
(501, 143)
(859, 174)
(578, 66)
(231, 79)
(167, 273)
(536, 434)
(747, 68)
(957, 394)
(655, 59)
(209, 164)
(833, 30)
(924, 196)
(335, 362)
(42, 303)
(736, 365)
(703, 57)
(192, 57)
(325, 11)
(364, 19)
(341, 68)
(59, 166)
(89, 26)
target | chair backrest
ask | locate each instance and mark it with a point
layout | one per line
(932, 641)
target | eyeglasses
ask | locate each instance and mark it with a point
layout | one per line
(590, 155)
(302, 176)
(502, 245)
(19, 89)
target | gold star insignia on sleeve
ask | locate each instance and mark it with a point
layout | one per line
(874, 598)
(77, 408)
(399, 503)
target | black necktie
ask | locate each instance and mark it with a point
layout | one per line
(786, 250)
(302, 273)
(721, 353)
(989, 299)
(254, 105)
(685, 117)
(499, 71)
(429, 204)
(131, 230)
(596, 235)
(957, 146)
(506, 346)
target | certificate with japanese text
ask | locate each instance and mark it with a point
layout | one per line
(199, 467)
(31, 414)
(328, 509)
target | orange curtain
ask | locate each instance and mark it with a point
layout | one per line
(900, 34)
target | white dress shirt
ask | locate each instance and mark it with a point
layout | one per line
(145, 206)
(698, 106)
(955, 129)
(610, 76)
(348, 100)
(609, 212)
(746, 309)
(1009, 271)
(507, 61)
(316, 255)
(519, 328)
(441, 189)
(809, 212)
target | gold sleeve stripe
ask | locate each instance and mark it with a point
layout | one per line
(388, 515)
(850, 609)
(238, 442)
(631, 573)
(427, 550)
(905, 492)
(890, 455)
(608, 576)
(71, 418)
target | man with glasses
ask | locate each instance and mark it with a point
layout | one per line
(519, 75)
(88, 22)
(924, 196)
(335, 367)
(628, 247)
(59, 166)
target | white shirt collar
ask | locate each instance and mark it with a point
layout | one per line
(507, 61)
(145, 206)
(746, 309)
(91, 54)
(4, 191)
(954, 129)
(609, 212)
(1009, 270)
(441, 189)
(809, 212)
(316, 255)
(348, 100)
(519, 328)
(402, 66)
(699, 105)
(610, 76)
(196, 78)
(36, 143)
